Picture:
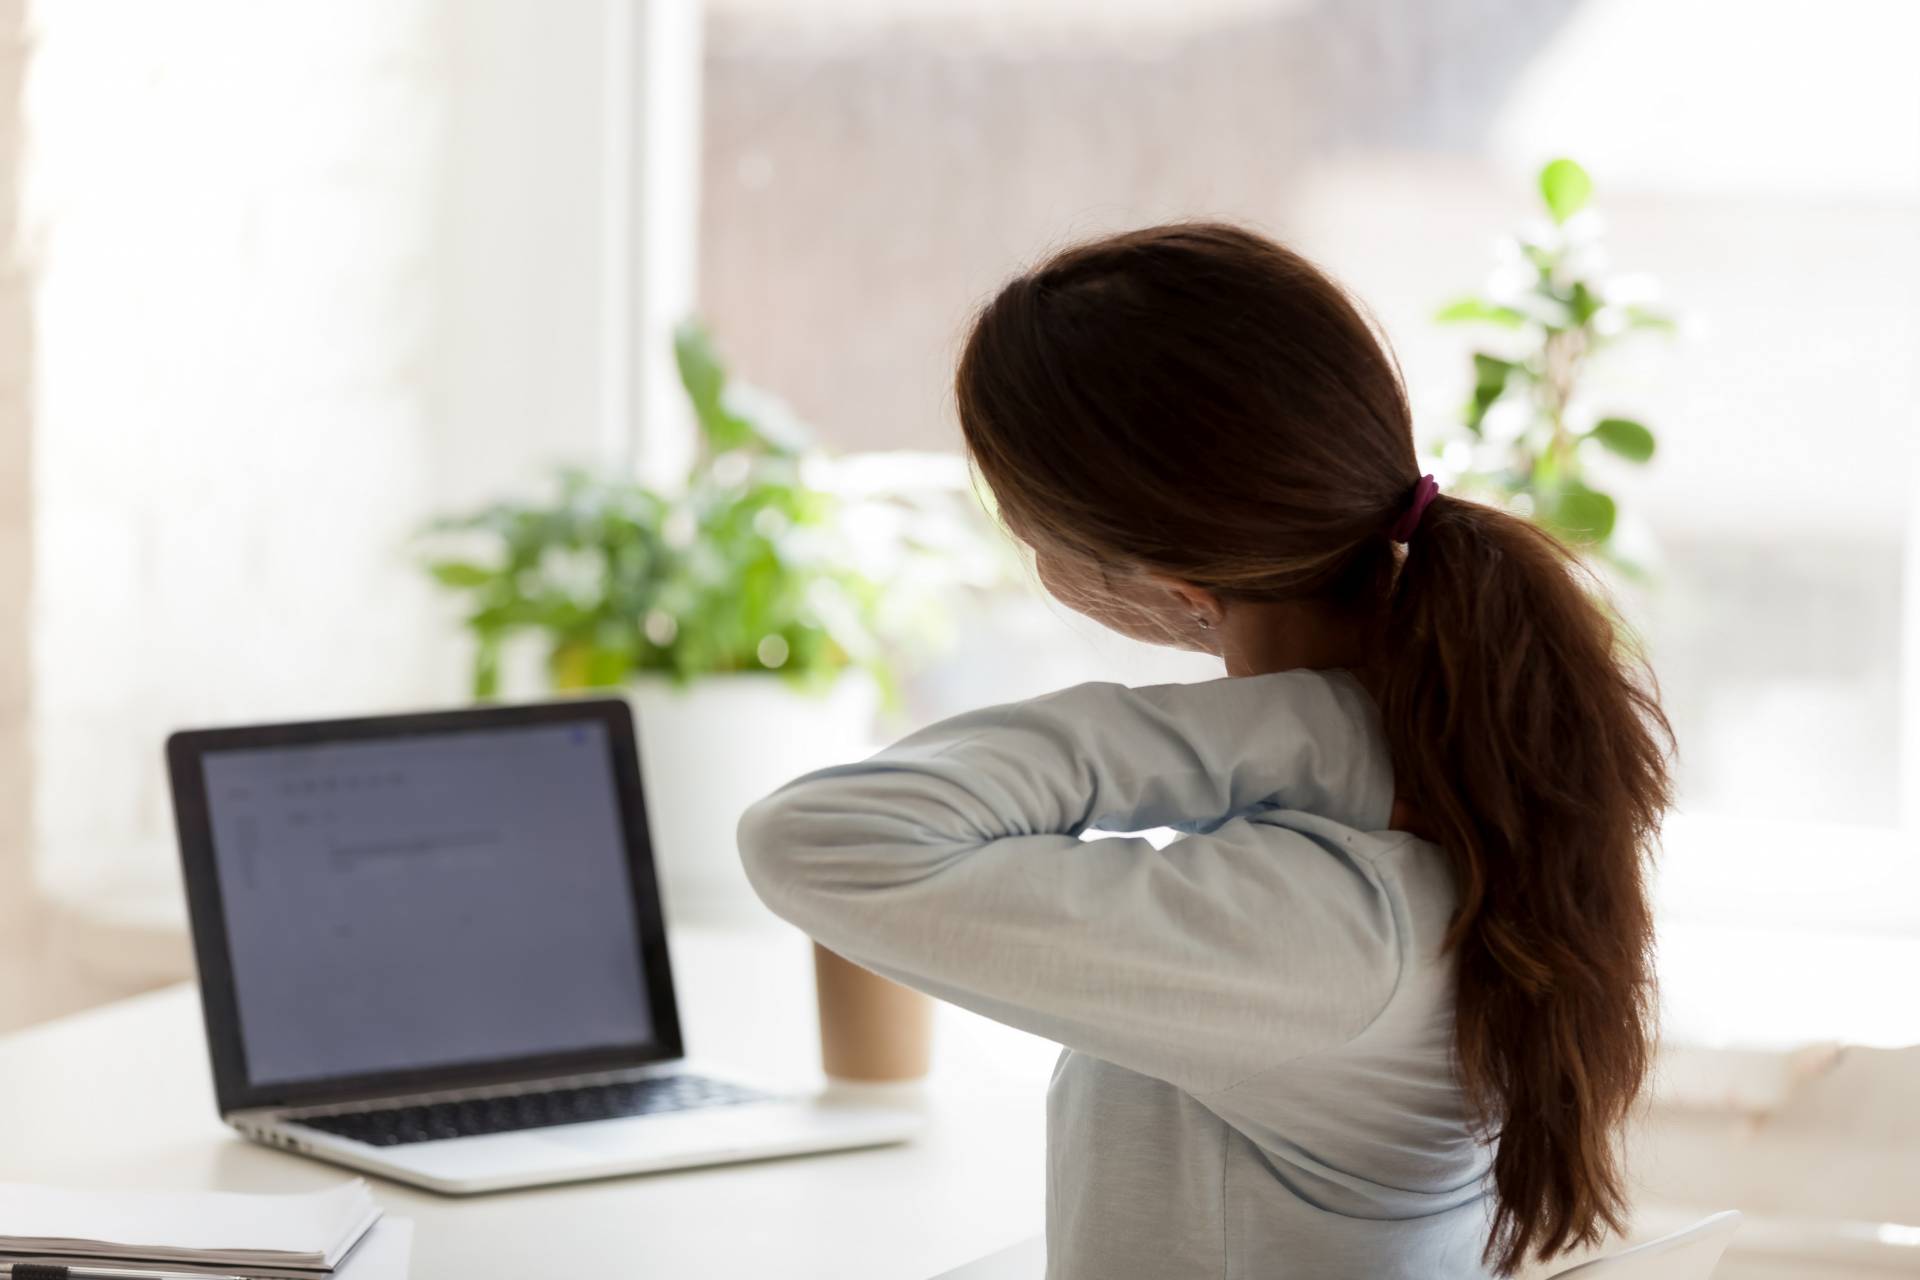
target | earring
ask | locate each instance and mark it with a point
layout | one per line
(1200, 621)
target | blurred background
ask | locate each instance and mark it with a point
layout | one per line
(290, 284)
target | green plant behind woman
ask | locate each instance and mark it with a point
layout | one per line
(1532, 420)
(751, 567)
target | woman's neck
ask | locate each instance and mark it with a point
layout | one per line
(1259, 637)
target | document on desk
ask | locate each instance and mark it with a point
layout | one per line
(209, 1232)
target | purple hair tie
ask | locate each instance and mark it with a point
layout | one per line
(1423, 495)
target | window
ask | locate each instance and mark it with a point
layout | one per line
(332, 272)
(872, 172)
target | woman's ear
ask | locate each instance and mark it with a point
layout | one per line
(1200, 604)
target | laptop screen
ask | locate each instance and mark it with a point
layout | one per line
(434, 900)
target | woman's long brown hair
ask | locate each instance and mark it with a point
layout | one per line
(1199, 401)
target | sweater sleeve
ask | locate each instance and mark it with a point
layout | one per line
(953, 863)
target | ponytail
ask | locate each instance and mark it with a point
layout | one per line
(1523, 737)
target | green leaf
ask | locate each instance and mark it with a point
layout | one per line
(1581, 303)
(607, 668)
(1566, 187)
(701, 372)
(1545, 261)
(731, 414)
(1480, 311)
(1624, 436)
(486, 666)
(1583, 515)
(705, 378)
(461, 575)
(1639, 317)
(1490, 374)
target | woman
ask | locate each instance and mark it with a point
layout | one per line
(1383, 1010)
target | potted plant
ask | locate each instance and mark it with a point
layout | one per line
(1528, 432)
(749, 614)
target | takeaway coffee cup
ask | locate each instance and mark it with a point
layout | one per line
(871, 1030)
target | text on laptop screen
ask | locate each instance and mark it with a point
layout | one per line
(436, 900)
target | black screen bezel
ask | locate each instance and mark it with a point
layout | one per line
(206, 909)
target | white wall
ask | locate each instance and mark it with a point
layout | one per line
(518, 369)
(15, 497)
(304, 275)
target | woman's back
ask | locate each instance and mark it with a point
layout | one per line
(1370, 1161)
(1258, 1018)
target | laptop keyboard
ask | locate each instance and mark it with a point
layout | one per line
(395, 1126)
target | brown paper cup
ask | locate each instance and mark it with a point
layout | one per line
(870, 1029)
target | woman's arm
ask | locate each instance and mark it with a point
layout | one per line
(952, 862)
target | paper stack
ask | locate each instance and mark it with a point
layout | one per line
(288, 1237)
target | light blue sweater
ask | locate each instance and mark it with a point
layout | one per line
(1257, 1019)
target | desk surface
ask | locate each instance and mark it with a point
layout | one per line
(120, 1096)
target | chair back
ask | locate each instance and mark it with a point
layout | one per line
(1692, 1254)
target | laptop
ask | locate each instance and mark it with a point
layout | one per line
(431, 947)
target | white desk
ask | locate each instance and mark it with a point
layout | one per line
(120, 1096)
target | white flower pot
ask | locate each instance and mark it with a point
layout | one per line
(711, 748)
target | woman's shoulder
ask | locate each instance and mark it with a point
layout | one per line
(1310, 738)
(1333, 692)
